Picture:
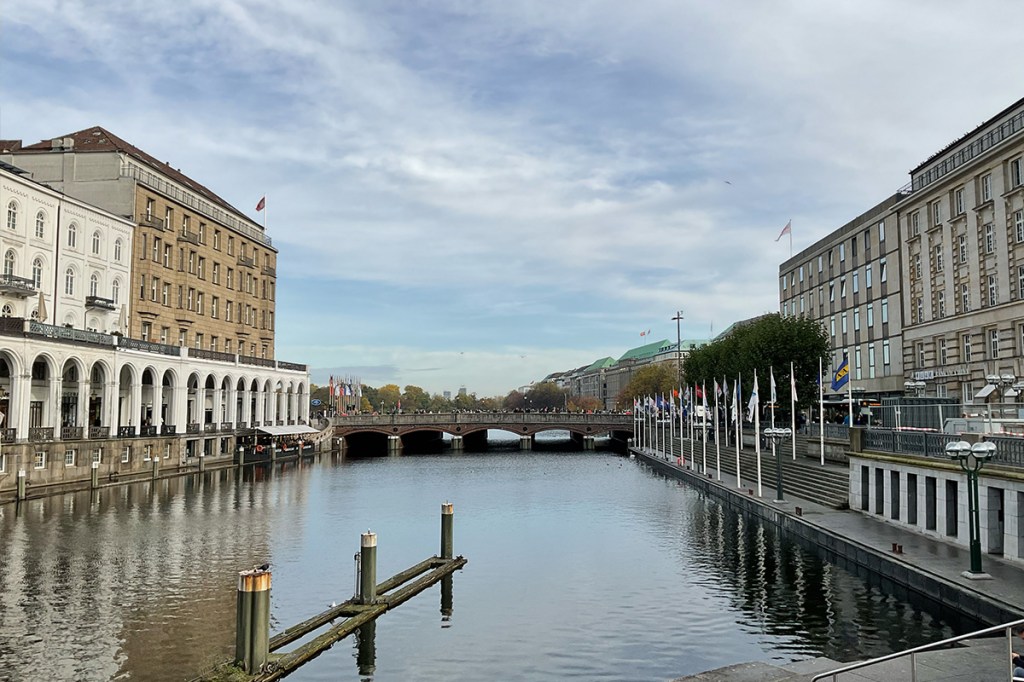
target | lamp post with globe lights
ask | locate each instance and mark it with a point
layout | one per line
(777, 436)
(971, 459)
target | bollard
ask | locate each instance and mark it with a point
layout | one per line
(447, 543)
(202, 462)
(21, 484)
(366, 652)
(95, 480)
(156, 468)
(799, 511)
(252, 619)
(241, 456)
(368, 568)
(273, 453)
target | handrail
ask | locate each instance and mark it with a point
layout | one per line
(1007, 627)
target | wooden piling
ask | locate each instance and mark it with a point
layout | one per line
(202, 462)
(94, 481)
(368, 568)
(156, 467)
(22, 484)
(447, 516)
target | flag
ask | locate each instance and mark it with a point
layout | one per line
(735, 401)
(399, 406)
(263, 204)
(792, 383)
(842, 375)
(704, 402)
(675, 392)
(753, 403)
(718, 389)
(700, 391)
(788, 229)
(771, 373)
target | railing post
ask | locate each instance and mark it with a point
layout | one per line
(447, 540)
(368, 568)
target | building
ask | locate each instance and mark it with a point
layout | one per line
(63, 260)
(203, 274)
(849, 281)
(962, 228)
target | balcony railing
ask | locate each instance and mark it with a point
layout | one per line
(226, 426)
(168, 430)
(127, 343)
(150, 221)
(269, 270)
(188, 236)
(210, 428)
(246, 261)
(71, 433)
(8, 435)
(99, 302)
(210, 355)
(40, 433)
(69, 334)
(22, 287)
(99, 432)
(241, 426)
(126, 432)
(194, 427)
(252, 360)
(148, 431)
(281, 364)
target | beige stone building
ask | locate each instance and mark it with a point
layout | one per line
(962, 227)
(203, 274)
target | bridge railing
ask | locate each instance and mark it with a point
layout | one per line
(492, 418)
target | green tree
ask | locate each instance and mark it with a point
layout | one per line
(584, 403)
(365, 406)
(771, 341)
(514, 400)
(389, 395)
(655, 379)
(415, 398)
(545, 395)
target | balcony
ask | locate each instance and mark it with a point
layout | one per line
(167, 430)
(147, 431)
(22, 287)
(246, 261)
(98, 302)
(126, 432)
(40, 433)
(71, 433)
(193, 427)
(187, 236)
(269, 271)
(8, 435)
(99, 432)
(150, 221)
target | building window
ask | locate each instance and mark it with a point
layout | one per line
(115, 291)
(69, 282)
(165, 294)
(938, 257)
(986, 187)
(842, 253)
(156, 249)
(967, 348)
(72, 235)
(856, 283)
(147, 329)
(202, 268)
(801, 274)
(881, 231)
(819, 264)
(214, 307)
(941, 304)
(857, 364)
(920, 355)
(856, 319)
(993, 344)
(915, 223)
(881, 270)
(885, 311)
(990, 238)
(842, 287)
(1015, 173)
(96, 243)
(832, 292)
(231, 245)
(958, 201)
(147, 453)
(1020, 284)
(199, 303)
(199, 340)
(867, 276)
(216, 273)
(40, 225)
(9, 261)
(942, 352)
(191, 298)
(842, 319)
(871, 361)
(965, 299)
(164, 333)
(963, 248)
(919, 309)
(885, 356)
(936, 212)
(94, 284)
(832, 325)
(917, 266)
(39, 460)
(149, 208)
(126, 454)
(871, 315)
(182, 337)
(37, 273)
(12, 215)
(69, 458)
(993, 291)
(167, 255)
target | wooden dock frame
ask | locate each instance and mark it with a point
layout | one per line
(396, 590)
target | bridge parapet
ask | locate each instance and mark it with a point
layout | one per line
(495, 419)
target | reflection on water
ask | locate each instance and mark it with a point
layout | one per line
(581, 565)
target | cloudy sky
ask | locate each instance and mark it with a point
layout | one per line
(479, 193)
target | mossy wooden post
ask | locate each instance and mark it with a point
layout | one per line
(94, 481)
(447, 543)
(22, 479)
(368, 568)
(252, 619)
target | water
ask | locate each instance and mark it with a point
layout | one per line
(581, 566)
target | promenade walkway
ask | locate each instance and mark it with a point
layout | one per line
(979, 661)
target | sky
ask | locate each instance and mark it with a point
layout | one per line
(480, 193)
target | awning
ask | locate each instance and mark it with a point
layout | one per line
(985, 392)
(293, 430)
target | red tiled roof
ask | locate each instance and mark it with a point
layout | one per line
(98, 139)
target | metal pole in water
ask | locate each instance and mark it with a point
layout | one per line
(447, 543)
(21, 484)
(243, 621)
(366, 653)
(368, 568)
(260, 638)
(202, 462)
(156, 468)
(94, 481)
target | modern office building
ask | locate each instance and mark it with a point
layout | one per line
(203, 274)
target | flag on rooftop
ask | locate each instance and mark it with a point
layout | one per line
(263, 204)
(788, 229)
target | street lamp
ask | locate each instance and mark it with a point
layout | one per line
(777, 436)
(971, 458)
(679, 348)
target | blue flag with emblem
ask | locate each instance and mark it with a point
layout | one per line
(842, 375)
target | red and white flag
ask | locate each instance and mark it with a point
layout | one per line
(263, 204)
(788, 229)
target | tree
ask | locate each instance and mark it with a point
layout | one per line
(655, 379)
(585, 403)
(389, 395)
(415, 398)
(770, 341)
(545, 395)
(514, 400)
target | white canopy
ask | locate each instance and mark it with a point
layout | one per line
(985, 392)
(292, 430)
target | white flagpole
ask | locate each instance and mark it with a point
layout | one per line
(718, 454)
(792, 405)
(682, 454)
(757, 435)
(704, 429)
(671, 423)
(849, 387)
(725, 397)
(821, 412)
(737, 396)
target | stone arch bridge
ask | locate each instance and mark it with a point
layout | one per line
(470, 428)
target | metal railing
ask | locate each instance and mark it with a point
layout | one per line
(922, 443)
(832, 431)
(1007, 629)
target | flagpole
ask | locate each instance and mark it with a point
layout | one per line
(792, 405)
(757, 434)
(704, 429)
(737, 404)
(821, 411)
(718, 454)
(671, 422)
(849, 387)
(790, 238)
(682, 454)
(773, 398)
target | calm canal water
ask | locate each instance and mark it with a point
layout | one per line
(582, 566)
